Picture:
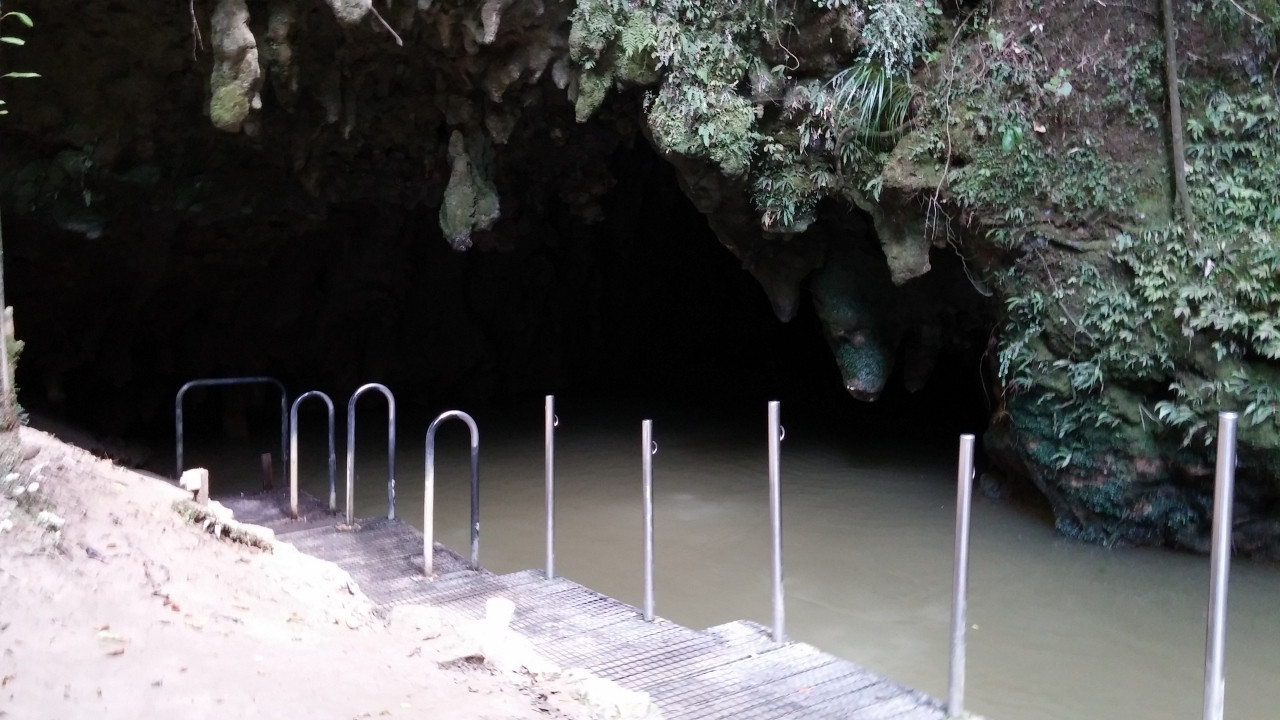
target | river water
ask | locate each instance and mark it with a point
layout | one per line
(1060, 630)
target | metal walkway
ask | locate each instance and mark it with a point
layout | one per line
(729, 671)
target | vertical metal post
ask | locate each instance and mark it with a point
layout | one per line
(960, 585)
(647, 450)
(775, 519)
(475, 494)
(351, 460)
(429, 506)
(293, 462)
(550, 421)
(1220, 565)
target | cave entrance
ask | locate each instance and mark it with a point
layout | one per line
(639, 314)
(641, 309)
(678, 321)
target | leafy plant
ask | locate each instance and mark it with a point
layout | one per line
(14, 40)
(729, 91)
(879, 101)
(896, 31)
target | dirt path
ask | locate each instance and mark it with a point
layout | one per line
(135, 614)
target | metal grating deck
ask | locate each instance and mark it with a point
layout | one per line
(728, 671)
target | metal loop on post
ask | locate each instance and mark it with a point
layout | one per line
(293, 453)
(775, 521)
(1219, 569)
(782, 433)
(648, 448)
(959, 592)
(551, 422)
(429, 492)
(212, 382)
(351, 450)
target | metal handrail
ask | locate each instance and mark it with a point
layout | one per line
(960, 583)
(1219, 568)
(211, 382)
(776, 433)
(551, 422)
(391, 450)
(429, 492)
(293, 453)
(648, 448)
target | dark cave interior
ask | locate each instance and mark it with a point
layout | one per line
(642, 306)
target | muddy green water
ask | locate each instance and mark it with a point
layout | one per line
(1060, 630)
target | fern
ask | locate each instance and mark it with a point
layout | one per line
(639, 35)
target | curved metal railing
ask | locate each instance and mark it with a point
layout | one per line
(429, 493)
(293, 453)
(391, 450)
(212, 382)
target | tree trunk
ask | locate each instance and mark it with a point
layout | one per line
(1175, 116)
(8, 403)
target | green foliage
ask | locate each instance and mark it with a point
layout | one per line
(1258, 19)
(729, 91)
(1016, 181)
(14, 40)
(1223, 289)
(1196, 314)
(1135, 86)
(698, 111)
(879, 100)
(896, 32)
(986, 120)
(1191, 318)
(787, 187)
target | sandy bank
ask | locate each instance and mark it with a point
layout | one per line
(129, 612)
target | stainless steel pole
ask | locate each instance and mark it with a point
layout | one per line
(550, 421)
(1220, 565)
(646, 454)
(293, 451)
(391, 449)
(960, 586)
(391, 459)
(351, 459)
(293, 462)
(429, 491)
(475, 490)
(429, 506)
(775, 521)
